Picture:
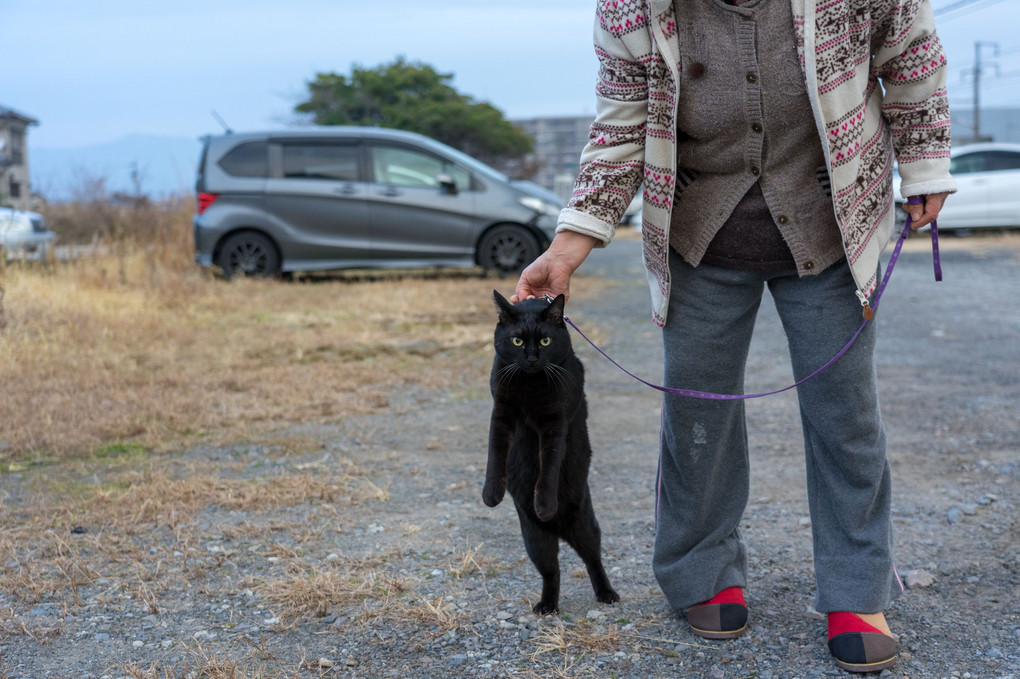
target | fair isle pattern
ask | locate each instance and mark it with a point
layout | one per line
(605, 200)
(633, 138)
(619, 79)
(860, 140)
(620, 17)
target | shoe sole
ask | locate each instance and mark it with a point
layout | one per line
(865, 667)
(718, 634)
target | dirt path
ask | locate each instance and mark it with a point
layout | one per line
(362, 549)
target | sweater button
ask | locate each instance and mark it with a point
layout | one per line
(756, 127)
(696, 70)
(782, 219)
(809, 265)
(752, 78)
(755, 171)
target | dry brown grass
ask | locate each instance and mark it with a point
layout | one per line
(303, 592)
(138, 345)
(68, 528)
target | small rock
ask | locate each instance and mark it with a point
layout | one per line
(993, 653)
(332, 556)
(504, 615)
(804, 522)
(954, 515)
(918, 578)
(325, 663)
(812, 614)
(137, 644)
(595, 615)
(968, 509)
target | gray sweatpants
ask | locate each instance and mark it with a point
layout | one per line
(703, 465)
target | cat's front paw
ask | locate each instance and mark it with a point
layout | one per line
(545, 505)
(492, 492)
(607, 596)
(544, 607)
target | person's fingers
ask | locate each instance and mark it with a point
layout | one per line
(926, 213)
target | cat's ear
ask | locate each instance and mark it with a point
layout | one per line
(554, 313)
(503, 306)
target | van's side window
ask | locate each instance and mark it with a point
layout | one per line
(404, 167)
(247, 160)
(338, 162)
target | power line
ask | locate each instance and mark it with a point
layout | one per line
(962, 4)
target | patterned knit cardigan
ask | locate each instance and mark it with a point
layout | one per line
(846, 47)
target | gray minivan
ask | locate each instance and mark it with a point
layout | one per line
(351, 197)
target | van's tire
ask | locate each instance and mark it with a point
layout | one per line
(507, 249)
(249, 253)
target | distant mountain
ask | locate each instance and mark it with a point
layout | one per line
(164, 165)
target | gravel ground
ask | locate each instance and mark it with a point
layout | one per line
(411, 576)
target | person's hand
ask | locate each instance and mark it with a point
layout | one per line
(926, 213)
(550, 273)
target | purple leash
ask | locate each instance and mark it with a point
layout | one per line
(878, 295)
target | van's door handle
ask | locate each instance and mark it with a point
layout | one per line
(391, 191)
(346, 190)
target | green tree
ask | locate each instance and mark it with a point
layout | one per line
(414, 97)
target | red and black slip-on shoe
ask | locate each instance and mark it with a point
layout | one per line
(857, 646)
(724, 616)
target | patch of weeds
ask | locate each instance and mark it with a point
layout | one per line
(121, 450)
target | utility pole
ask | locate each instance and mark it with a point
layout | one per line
(976, 73)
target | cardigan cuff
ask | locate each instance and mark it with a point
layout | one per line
(928, 187)
(581, 222)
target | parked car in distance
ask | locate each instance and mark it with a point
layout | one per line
(351, 197)
(23, 233)
(988, 189)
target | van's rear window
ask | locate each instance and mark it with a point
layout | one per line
(247, 160)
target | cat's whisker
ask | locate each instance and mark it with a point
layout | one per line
(560, 375)
(505, 374)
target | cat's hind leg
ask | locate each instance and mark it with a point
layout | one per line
(585, 537)
(543, 548)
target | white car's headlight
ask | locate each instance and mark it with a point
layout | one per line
(540, 206)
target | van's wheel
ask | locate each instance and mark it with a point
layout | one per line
(507, 249)
(249, 254)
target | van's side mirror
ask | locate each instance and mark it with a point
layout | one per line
(446, 184)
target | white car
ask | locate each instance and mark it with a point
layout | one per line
(988, 188)
(23, 232)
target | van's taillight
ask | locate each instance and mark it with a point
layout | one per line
(205, 200)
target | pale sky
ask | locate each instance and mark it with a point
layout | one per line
(94, 72)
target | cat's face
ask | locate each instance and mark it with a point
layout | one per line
(531, 333)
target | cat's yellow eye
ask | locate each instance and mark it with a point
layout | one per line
(518, 342)
(545, 341)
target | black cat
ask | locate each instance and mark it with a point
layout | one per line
(538, 442)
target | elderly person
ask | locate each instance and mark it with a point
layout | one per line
(764, 133)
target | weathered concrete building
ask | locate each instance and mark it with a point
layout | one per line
(15, 188)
